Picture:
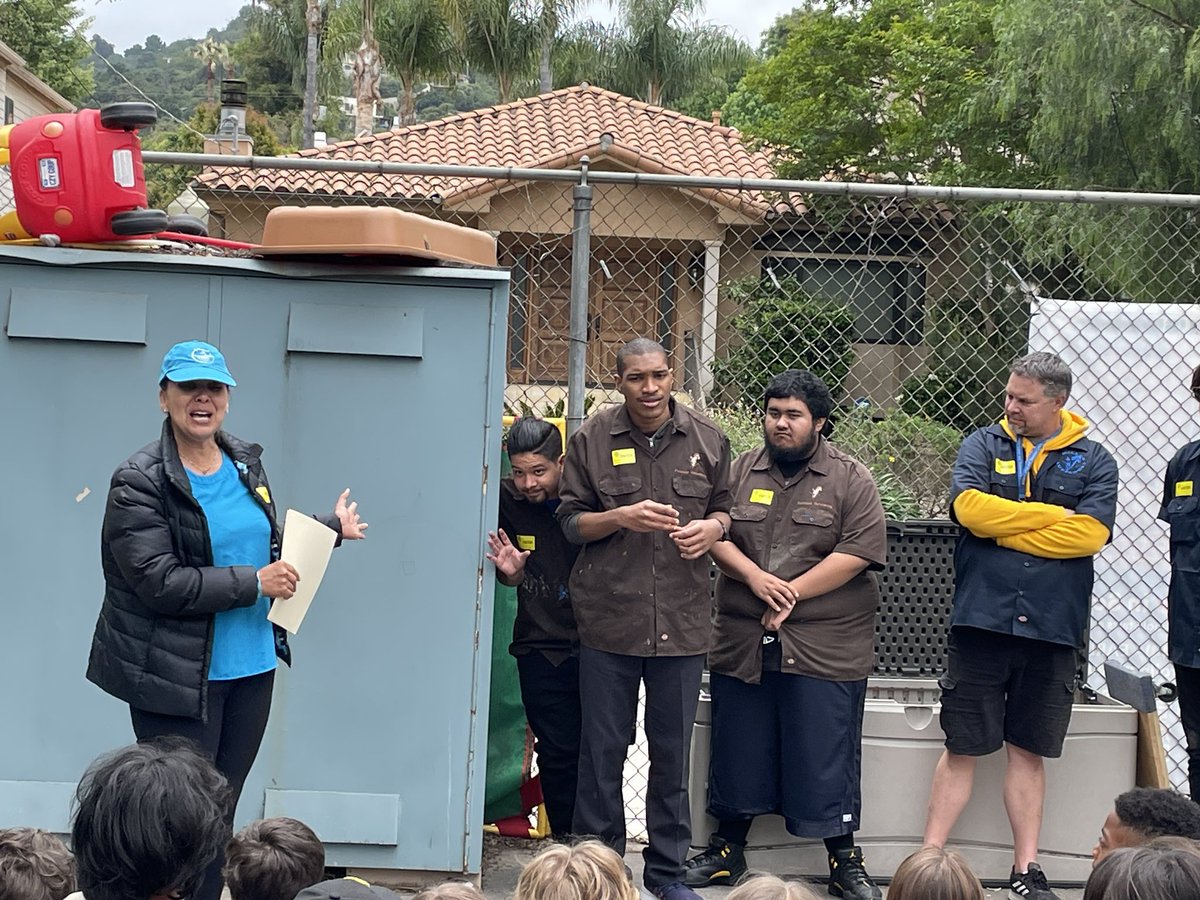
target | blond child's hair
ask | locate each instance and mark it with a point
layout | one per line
(451, 890)
(586, 871)
(935, 873)
(770, 887)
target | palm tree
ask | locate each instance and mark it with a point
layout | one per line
(499, 37)
(212, 53)
(657, 51)
(553, 14)
(295, 30)
(415, 41)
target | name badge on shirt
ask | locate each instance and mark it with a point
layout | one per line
(266, 496)
(624, 457)
(761, 495)
(1183, 489)
(527, 541)
(1006, 467)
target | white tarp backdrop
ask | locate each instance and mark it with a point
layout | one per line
(1132, 365)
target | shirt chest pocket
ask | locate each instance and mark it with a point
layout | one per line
(692, 491)
(748, 519)
(812, 531)
(620, 490)
(1062, 490)
(1184, 515)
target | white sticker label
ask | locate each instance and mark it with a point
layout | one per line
(123, 167)
(48, 173)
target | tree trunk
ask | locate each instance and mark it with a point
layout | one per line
(544, 72)
(368, 70)
(312, 20)
(408, 100)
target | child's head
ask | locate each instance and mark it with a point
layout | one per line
(586, 871)
(34, 865)
(1150, 872)
(273, 859)
(769, 887)
(934, 873)
(451, 890)
(149, 819)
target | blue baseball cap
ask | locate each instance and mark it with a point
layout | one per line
(195, 361)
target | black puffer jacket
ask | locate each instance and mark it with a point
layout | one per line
(153, 640)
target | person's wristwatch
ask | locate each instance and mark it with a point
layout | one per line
(724, 530)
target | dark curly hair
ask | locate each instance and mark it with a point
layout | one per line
(149, 818)
(1153, 812)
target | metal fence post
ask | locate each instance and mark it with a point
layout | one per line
(581, 251)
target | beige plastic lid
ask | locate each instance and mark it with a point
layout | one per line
(372, 231)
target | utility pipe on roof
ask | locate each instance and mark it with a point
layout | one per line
(708, 316)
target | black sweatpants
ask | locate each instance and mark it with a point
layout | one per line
(608, 685)
(237, 720)
(550, 695)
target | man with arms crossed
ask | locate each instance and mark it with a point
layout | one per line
(1035, 500)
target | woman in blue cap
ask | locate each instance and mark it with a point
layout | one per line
(190, 549)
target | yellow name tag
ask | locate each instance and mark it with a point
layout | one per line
(624, 457)
(760, 495)
(527, 541)
(1006, 467)
(1183, 489)
(266, 496)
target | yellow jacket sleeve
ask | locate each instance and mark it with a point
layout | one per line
(1074, 536)
(989, 516)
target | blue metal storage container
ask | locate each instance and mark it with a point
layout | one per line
(386, 380)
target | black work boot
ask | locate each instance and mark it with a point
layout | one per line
(848, 876)
(721, 863)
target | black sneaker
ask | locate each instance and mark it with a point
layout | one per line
(721, 863)
(1030, 885)
(848, 876)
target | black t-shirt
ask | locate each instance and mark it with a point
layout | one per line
(545, 622)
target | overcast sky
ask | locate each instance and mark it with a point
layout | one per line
(127, 22)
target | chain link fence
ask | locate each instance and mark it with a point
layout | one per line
(910, 302)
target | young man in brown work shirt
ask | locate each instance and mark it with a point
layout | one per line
(645, 491)
(793, 642)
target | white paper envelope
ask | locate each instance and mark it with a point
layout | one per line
(307, 545)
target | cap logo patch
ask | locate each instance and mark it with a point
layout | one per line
(202, 356)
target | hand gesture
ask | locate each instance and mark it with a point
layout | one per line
(353, 528)
(508, 560)
(278, 580)
(649, 515)
(771, 620)
(696, 537)
(772, 590)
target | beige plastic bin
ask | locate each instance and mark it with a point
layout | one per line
(901, 744)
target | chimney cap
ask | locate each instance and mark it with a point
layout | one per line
(233, 92)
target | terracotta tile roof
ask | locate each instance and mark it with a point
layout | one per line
(550, 130)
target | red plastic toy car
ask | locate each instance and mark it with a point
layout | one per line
(79, 175)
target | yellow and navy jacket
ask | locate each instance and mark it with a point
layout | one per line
(1181, 510)
(1023, 562)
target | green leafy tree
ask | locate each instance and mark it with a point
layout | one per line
(499, 37)
(887, 88)
(49, 35)
(658, 50)
(781, 328)
(1110, 95)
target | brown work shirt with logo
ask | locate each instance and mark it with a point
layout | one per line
(787, 526)
(632, 592)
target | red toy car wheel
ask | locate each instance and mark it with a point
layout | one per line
(138, 221)
(128, 116)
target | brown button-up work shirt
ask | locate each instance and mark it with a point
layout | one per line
(632, 592)
(787, 526)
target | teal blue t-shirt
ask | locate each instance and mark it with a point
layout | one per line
(243, 642)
